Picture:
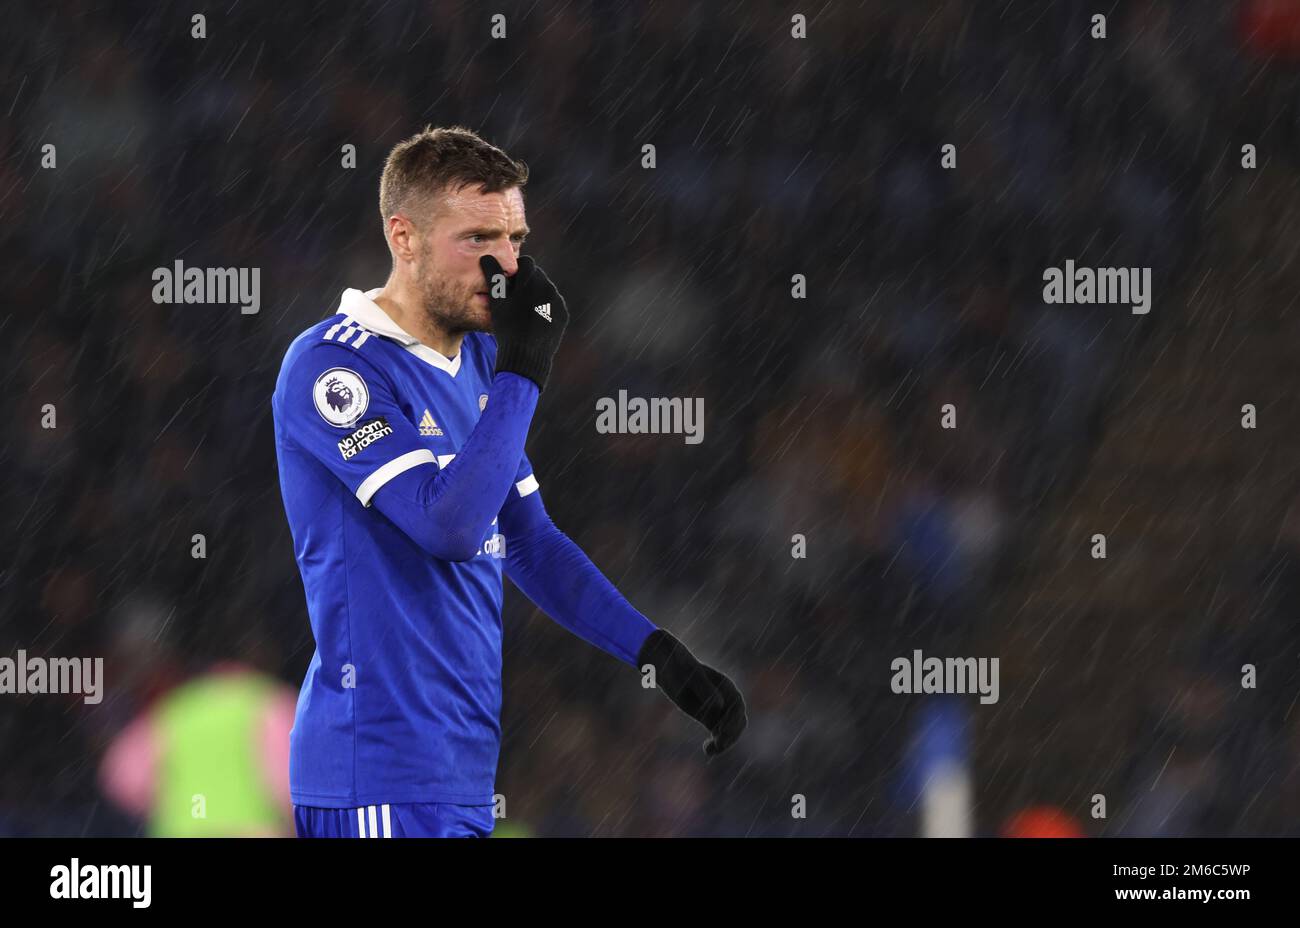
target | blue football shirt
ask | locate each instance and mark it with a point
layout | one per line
(401, 702)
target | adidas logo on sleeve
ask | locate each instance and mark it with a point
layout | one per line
(544, 311)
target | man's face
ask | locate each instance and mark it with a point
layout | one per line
(465, 226)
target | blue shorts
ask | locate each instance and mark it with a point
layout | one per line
(399, 820)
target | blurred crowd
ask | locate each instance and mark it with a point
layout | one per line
(775, 157)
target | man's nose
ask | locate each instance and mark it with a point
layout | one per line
(505, 255)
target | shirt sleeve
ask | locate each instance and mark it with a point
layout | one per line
(341, 409)
(552, 571)
(448, 513)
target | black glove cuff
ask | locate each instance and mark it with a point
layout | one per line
(666, 654)
(529, 360)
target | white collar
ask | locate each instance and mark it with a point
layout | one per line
(362, 308)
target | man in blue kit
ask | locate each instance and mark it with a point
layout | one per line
(399, 431)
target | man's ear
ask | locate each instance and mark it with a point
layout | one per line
(401, 237)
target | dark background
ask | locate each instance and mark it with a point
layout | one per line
(776, 156)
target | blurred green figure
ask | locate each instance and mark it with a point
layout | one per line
(208, 759)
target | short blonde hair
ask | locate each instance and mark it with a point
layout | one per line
(438, 160)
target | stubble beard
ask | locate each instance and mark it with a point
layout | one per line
(450, 308)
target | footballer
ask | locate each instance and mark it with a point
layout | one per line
(400, 424)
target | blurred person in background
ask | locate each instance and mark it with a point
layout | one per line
(208, 759)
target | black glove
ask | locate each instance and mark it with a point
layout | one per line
(528, 321)
(697, 689)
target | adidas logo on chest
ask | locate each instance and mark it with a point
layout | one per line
(427, 426)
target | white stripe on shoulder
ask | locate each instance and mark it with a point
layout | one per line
(334, 329)
(374, 832)
(342, 333)
(388, 827)
(361, 822)
(398, 465)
